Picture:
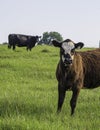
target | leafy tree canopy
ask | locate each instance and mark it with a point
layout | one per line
(48, 36)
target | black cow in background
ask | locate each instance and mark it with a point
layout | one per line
(22, 41)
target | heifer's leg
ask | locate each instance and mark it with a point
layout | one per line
(27, 48)
(13, 47)
(74, 99)
(9, 46)
(30, 49)
(61, 97)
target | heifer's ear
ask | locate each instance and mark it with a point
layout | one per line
(56, 43)
(79, 45)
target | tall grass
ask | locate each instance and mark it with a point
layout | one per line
(28, 94)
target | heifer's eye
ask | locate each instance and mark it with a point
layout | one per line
(62, 51)
(72, 51)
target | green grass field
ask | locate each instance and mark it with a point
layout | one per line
(28, 93)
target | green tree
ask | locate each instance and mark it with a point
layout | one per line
(48, 36)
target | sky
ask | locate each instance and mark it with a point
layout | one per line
(78, 20)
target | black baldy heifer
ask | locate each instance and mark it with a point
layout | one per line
(76, 70)
(22, 41)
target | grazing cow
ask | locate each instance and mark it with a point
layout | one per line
(76, 70)
(22, 40)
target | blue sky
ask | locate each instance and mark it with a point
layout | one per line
(78, 20)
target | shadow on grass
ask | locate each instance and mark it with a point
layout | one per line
(45, 51)
(19, 108)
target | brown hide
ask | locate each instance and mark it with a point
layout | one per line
(91, 68)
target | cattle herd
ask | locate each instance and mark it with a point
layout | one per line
(75, 70)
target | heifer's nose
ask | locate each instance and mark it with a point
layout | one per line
(68, 59)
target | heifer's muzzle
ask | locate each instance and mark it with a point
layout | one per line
(67, 60)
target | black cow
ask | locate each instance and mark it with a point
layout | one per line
(22, 41)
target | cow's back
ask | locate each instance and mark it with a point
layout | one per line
(91, 67)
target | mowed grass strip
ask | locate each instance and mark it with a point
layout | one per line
(28, 93)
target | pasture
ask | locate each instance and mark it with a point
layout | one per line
(28, 93)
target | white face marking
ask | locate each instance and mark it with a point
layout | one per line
(67, 46)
